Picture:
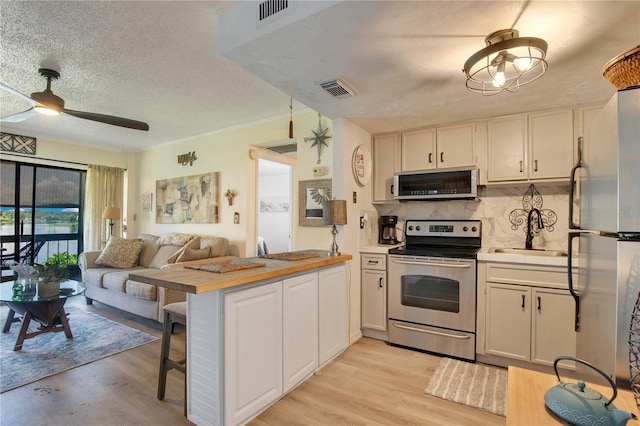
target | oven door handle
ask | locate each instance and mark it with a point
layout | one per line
(446, 265)
(437, 333)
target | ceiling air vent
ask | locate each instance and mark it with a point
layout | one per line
(338, 88)
(271, 7)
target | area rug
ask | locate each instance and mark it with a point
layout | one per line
(94, 337)
(474, 385)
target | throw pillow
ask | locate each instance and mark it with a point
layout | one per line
(162, 255)
(149, 249)
(174, 239)
(120, 253)
(193, 254)
(193, 243)
(218, 246)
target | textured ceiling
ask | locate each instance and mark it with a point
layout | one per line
(158, 62)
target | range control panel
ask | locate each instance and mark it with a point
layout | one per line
(443, 228)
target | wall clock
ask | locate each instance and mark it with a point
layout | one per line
(361, 165)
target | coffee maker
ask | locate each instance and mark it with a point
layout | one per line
(387, 230)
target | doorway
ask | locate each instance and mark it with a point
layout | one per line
(275, 206)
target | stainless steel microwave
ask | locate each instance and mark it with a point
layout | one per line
(436, 184)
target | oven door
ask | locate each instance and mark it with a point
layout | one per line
(439, 292)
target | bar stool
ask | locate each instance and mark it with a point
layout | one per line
(173, 313)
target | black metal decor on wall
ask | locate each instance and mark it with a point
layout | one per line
(532, 199)
(17, 143)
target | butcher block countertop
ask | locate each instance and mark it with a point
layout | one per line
(199, 281)
(525, 398)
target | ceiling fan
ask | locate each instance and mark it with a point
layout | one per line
(46, 102)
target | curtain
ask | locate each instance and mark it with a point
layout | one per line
(104, 188)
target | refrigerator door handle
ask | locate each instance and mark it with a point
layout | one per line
(574, 294)
(572, 186)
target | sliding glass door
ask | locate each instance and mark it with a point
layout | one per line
(40, 213)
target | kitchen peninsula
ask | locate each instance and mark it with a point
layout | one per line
(254, 334)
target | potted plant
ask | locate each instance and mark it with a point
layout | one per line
(49, 276)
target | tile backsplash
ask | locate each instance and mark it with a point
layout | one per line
(502, 211)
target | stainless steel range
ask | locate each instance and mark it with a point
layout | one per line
(432, 287)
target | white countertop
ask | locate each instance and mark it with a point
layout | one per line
(484, 255)
(378, 248)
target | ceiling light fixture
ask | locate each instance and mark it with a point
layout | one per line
(507, 63)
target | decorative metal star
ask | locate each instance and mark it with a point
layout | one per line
(320, 137)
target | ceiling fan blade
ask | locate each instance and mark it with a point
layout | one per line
(109, 119)
(19, 116)
(18, 94)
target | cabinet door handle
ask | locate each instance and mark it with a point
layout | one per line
(431, 157)
(442, 157)
(520, 166)
(522, 302)
(535, 165)
(380, 282)
(374, 262)
(391, 189)
(539, 303)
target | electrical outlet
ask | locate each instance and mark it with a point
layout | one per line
(236, 218)
(361, 222)
(319, 171)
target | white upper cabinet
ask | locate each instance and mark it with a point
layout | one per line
(533, 147)
(455, 146)
(507, 142)
(443, 147)
(419, 150)
(551, 145)
(386, 162)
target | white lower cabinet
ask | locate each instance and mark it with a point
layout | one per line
(374, 293)
(300, 328)
(277, 334)
(252, 351)
(333, 311)
(526, 322)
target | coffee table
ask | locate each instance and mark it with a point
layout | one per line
(47, 311)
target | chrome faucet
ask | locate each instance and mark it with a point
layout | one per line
(528, 243)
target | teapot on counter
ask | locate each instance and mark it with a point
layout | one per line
(579, 405)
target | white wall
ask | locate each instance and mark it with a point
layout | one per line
(65, 155)
(226, 152)
(347, 136)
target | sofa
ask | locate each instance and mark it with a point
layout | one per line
(106, 272)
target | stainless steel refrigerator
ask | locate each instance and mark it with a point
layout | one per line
(608, 233)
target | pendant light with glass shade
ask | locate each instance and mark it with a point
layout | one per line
(508, 62)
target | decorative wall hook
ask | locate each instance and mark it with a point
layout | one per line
(230, 194)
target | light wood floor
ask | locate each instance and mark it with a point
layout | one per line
(370, 384)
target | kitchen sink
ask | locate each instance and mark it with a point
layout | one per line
(529, 252)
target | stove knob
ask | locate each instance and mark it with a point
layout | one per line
(474, 229)
(410, 228)
(465, 229)
(417, 228)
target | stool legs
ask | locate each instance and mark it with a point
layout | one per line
(166, 363)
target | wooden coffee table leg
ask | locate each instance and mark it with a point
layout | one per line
(23, 331)
(10, 320)
(65, 323)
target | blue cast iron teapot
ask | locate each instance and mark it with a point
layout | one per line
(579, 405)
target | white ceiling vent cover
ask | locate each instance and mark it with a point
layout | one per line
(271, 7)
(338, 88)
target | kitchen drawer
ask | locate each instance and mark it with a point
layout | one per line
(534, 275)
(374, 261)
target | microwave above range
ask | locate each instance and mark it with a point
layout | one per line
(436, 184)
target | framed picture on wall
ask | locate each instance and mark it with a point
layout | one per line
(312, 195)
(188, 199)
